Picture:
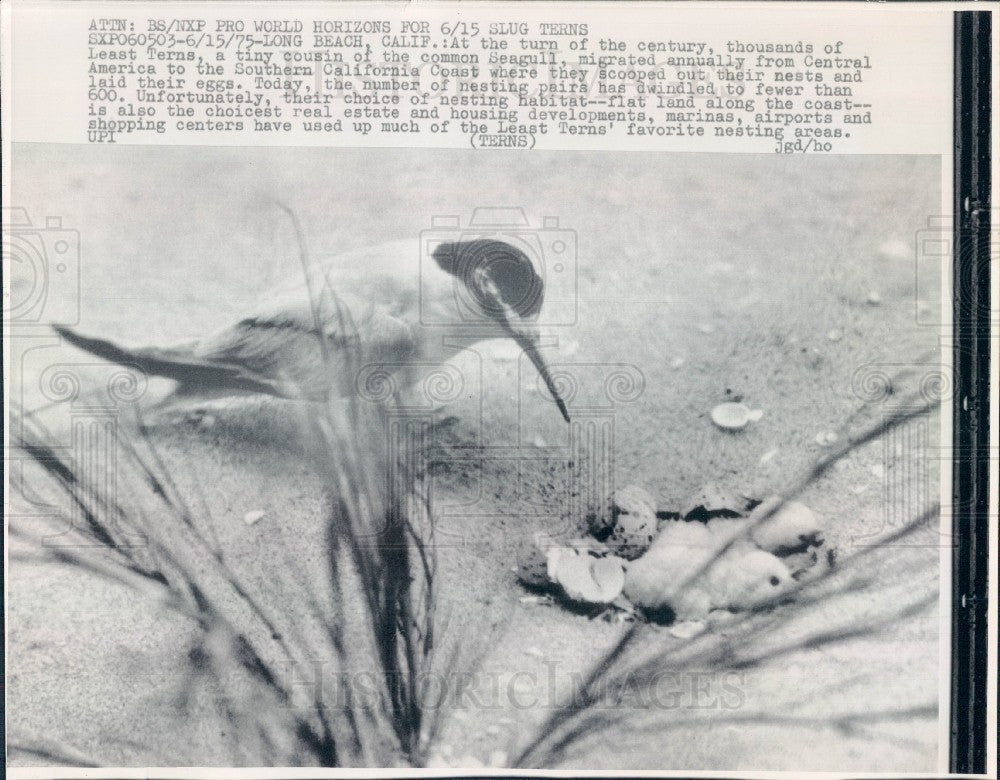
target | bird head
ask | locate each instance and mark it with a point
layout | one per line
(503, 287)
(756, 579)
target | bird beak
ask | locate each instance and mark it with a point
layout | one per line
(527, 338)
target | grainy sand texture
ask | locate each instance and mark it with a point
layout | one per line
(788, 283)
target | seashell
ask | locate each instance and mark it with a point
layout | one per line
(255, 516)
(731, 416)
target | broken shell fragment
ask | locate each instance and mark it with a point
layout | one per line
(633, 532)
(688, 629)
(712, 501)
(734, 416)
(554, 557)
(585, 578)
(532, 559)
(250, 518)
(630, 523)
(609, 574)
(632, 499)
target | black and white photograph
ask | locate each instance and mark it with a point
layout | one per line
(397, 458)
(444, 389)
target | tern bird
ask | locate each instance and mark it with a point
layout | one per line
(363, 308)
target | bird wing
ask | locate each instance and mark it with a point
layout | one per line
(309, 339)
(177, 364)
(314, 340)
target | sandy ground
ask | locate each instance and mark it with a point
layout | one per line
(702, 278)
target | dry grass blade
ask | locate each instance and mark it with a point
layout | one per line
(381, 524)
(390, 564)
(53, 754)
(186, 583)
(375, 552)
(580, 715)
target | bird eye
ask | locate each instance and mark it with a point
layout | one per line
(775, 581)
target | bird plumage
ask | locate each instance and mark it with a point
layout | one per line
(692, 568)
(310, 337)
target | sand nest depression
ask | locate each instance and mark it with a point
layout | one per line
(720, 554)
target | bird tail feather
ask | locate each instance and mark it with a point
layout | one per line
(179, 364)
